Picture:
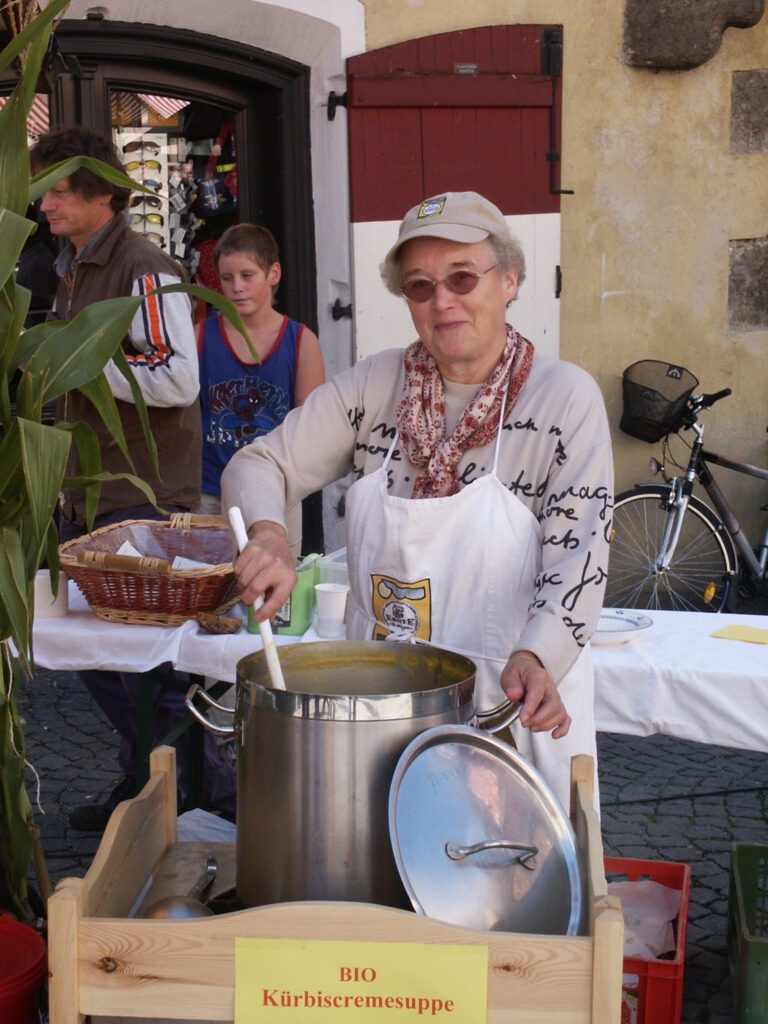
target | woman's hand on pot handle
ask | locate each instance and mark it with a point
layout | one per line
(266, 566)
(525, 678)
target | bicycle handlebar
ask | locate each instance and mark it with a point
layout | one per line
(707, 401)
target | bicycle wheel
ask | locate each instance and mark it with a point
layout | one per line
(701, 572)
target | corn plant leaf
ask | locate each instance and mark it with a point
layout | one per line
(14, 231)
(98, 392)
(14, 305)
(141, 410)
(89, 456)
(214, 299)
(44, 452)
(77, 352)
(14, 153)
(12, 476)
(31, 340)
(14, 609)
(19, 43)
(100, 478)
(50, 176)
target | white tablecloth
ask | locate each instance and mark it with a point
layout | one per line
(676, 678)
(672, 678)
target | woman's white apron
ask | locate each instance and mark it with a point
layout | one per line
(459, 572)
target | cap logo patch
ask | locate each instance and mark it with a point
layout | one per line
(431, 208)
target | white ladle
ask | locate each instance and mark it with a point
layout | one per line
(267, 639)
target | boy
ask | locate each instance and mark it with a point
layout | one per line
(241, 399)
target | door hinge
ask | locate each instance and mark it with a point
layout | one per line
(558, 281)
(335, 99)
(338, 311)
(552, 67)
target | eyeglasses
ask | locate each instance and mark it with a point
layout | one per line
(134, 165)
(141, 146)
(150, 183)
(144, 200)
(156, 237)
(150, 218)
(460, 282)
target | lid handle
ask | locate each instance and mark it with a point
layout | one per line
(457, 852)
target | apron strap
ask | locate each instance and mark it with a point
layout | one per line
(498, 433)
(395, 439)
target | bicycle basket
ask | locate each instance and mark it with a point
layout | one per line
(654, 399)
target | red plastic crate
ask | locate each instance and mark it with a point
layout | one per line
(658, 997)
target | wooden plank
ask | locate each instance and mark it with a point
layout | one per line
(386, 174)
(136, 838)
(422, 90)
(496, 48)
(65, 909)
(490, 151)
(186, 969)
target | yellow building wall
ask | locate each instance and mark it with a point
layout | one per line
(645, 237)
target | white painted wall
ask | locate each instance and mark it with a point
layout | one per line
(381, 320)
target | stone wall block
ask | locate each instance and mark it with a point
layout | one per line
(681, 33)
(748, 284)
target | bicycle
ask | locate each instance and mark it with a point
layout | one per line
(669, 549)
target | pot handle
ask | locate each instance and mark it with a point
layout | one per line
(457, 852)
(197, 690)
(499, 717)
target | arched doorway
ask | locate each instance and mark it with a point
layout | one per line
(250, 104)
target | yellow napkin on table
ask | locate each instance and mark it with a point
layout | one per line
(749, 634)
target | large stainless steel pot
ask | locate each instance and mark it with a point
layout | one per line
(315, 762)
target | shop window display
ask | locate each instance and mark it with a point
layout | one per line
(185, 152)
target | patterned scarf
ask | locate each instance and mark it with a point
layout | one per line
(420, 415)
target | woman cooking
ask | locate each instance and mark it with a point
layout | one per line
(480, 514)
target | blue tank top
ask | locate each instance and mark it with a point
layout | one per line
(241, 401)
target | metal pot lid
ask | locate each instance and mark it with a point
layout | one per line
(480, 839)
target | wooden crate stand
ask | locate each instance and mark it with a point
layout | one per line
(101, 962)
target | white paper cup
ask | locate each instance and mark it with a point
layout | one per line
(46, 606)
(331, 600)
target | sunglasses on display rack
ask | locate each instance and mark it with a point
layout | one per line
(145, 200)
(141, 146)
(156, 238)
(152, 183)
(460, 282)
(134, 165)
(149, 218)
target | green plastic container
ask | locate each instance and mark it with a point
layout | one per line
(748, 931)
(295, 617)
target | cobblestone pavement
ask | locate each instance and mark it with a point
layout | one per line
(662, 799)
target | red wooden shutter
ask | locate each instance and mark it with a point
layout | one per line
(469, 110)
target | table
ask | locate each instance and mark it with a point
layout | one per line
(675, 678)
(672, 678)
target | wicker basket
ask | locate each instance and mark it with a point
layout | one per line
(146, 591)
(655, 397)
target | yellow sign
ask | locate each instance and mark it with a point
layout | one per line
(749, 634)
(359, 982)
(403, 607)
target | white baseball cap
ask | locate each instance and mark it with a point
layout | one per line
(457, 216)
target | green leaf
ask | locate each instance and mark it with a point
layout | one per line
(141, 410)
(85, 481)
(31, 340)
(14, 152)
(20, 42)
(98, 392)
(44, 451)
(217, 300)
(49, 176)
(14, 231)
(89, 456)
(13, 586)
(77, 352)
